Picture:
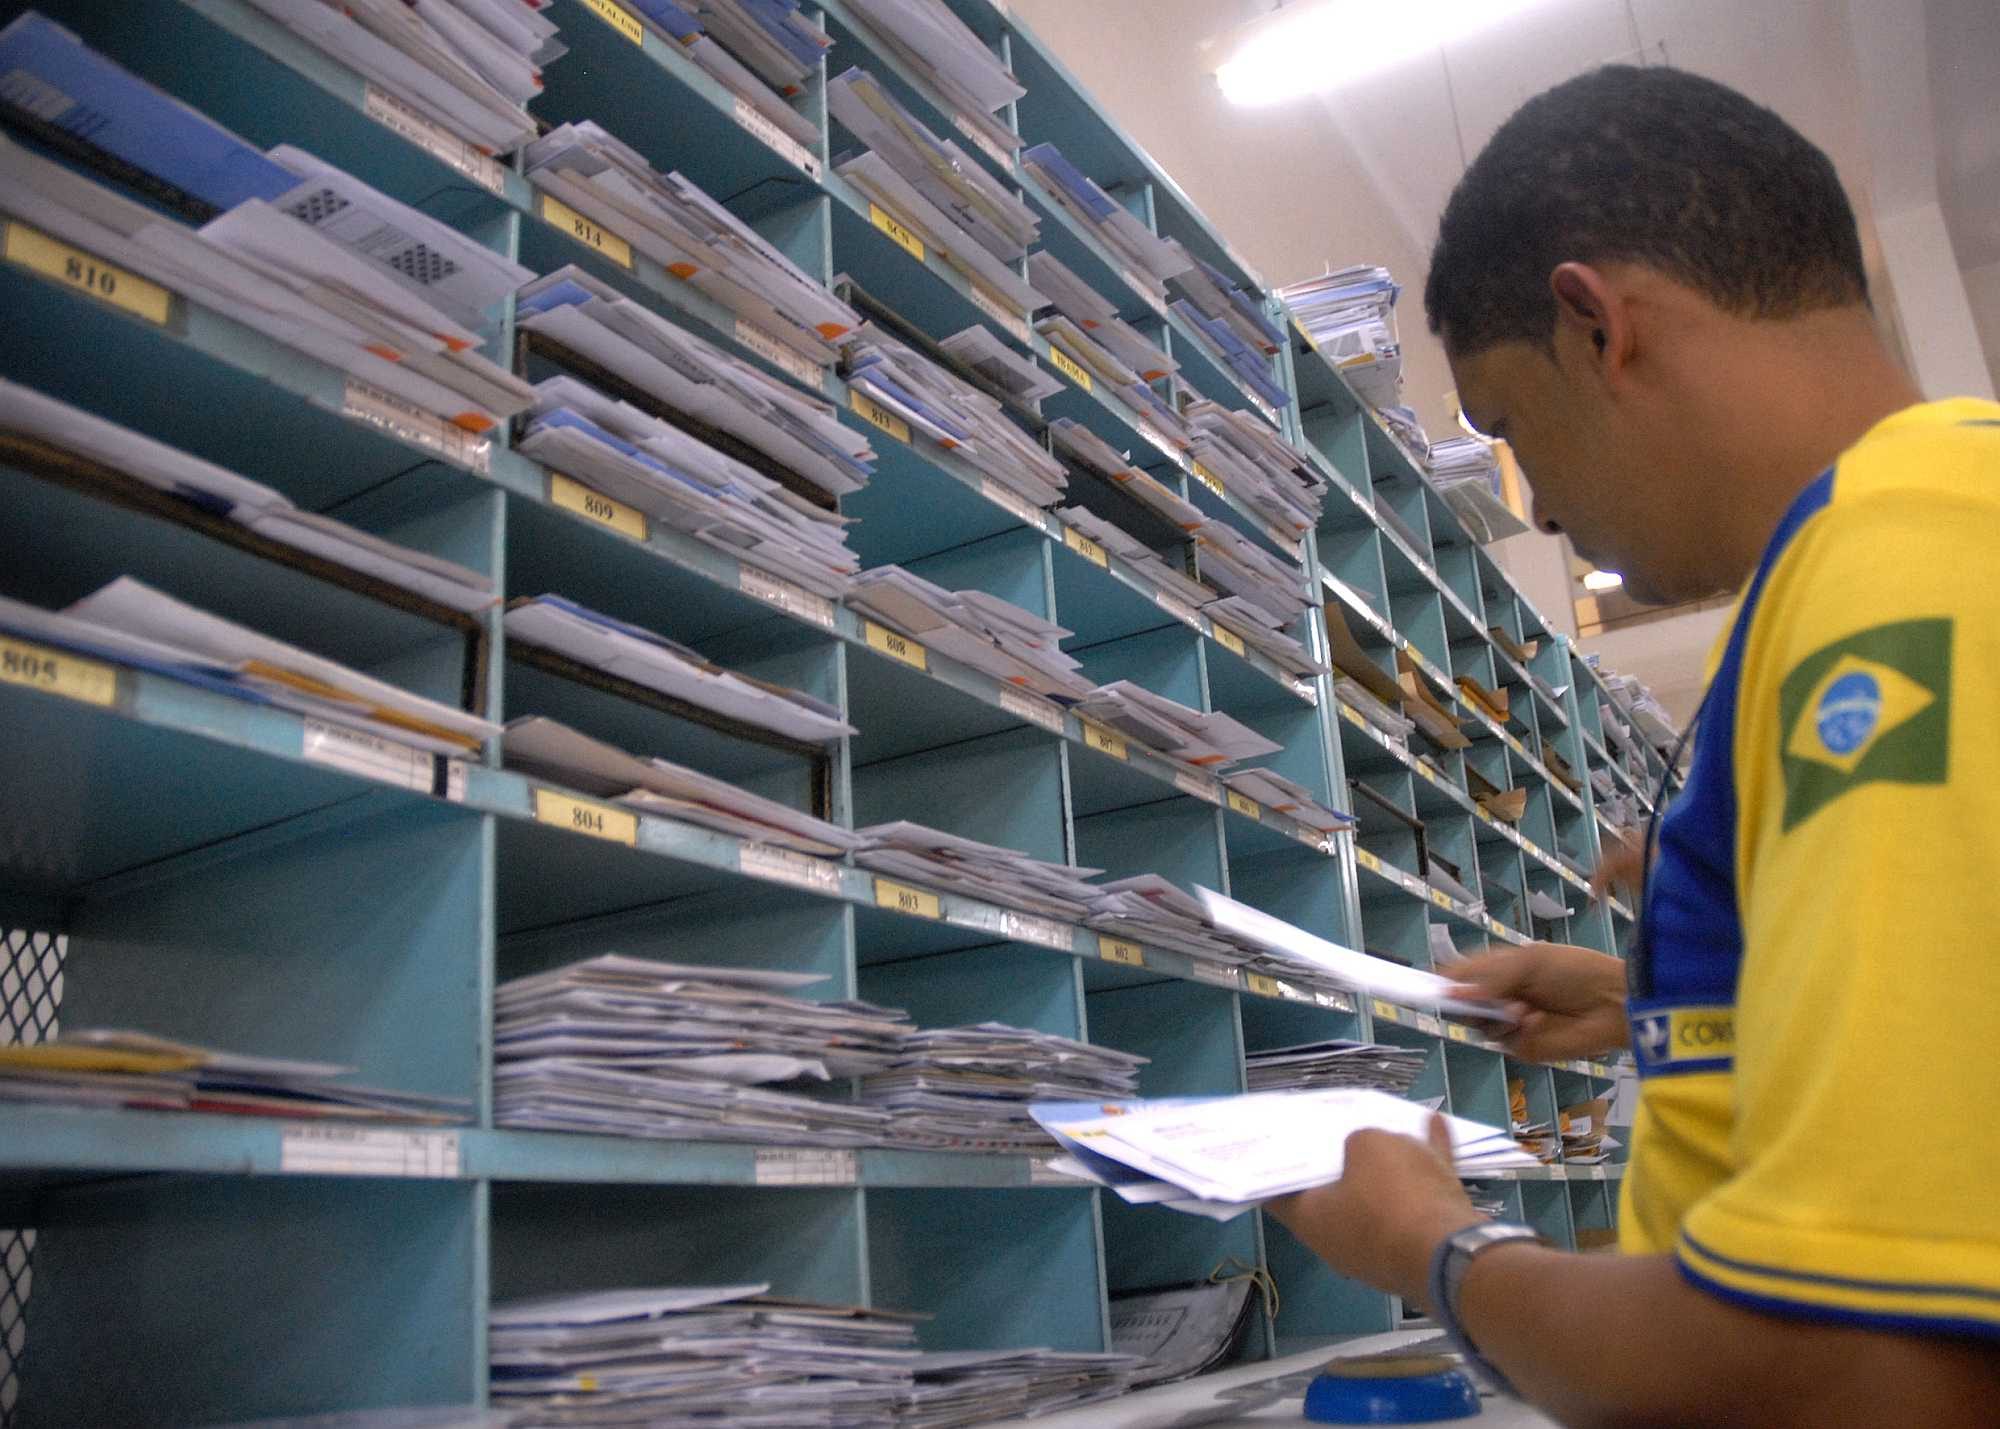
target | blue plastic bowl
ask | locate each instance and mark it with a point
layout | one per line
(1416, 1399)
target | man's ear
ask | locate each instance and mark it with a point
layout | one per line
(1591, 317)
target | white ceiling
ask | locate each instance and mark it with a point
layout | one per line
(1362, 173)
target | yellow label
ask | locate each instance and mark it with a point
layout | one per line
(1353, 716)
(1085, 547)
(904, 899)
(1367, 860)
(1264, 986)
(1228, 640)
(904, 239)
(575, 496)
(877, 415)
(587, 1383)
(1439, 897)
(1386, 1011)
(1249, 808)
(1686, 1034)
(896, 647)
(1117, 950)
(73, 268)
(1097, 737)
(1206, 477)
(56, 671)
(583, 230)
(1456, 1033)
(586, 816)
(1069, 368)
(618, 18)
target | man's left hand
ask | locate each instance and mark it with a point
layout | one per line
(1396, 1199)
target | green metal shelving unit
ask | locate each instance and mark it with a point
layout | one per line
(185, 863)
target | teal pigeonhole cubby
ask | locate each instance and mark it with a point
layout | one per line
(232, 873)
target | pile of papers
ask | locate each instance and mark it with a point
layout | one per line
(1148, 909)
(929, 185)
(756, 51)
(797, 432)
(249, 504)
(544, 749)
(953, 413)
(1351, 318)
(935, 44)
(1259, 467)
(1183, 1330)
(634, 1047)
(632, 653)
(974, 628)
(635, 457)
(112, 1068)
(1404, 427)
(1137, 556)
(468, 66)
(1289, 797)
(1106, 370)
(1149, 260)
(1221, 1156)
(1380, 715)
(1006, 876)
(957, 1388)
(977, 350)
(696, 1355)
(1586, 1132)
(968, 1088)
(1313, 1066)
(1089, 314)
(1267, 592)
(1649, 716)
(1207, 741)
(130, 623)
(1537, 1138)
(692, 236)
(1233, 322)
(308, 256)
(1466, 472)
(1097, 456)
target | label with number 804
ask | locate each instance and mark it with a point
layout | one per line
(586, 816)
(57, 672)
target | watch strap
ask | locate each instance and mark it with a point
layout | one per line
(1449, 1264)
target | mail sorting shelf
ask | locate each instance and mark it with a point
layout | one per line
(209, 795)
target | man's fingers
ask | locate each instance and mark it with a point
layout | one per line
(1496, 974)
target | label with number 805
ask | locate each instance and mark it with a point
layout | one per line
(57, 672)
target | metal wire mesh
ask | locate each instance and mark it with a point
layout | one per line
(31, 980)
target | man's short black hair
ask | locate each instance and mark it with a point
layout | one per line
(1654, 166)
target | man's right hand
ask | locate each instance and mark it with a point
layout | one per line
(1570, 1001)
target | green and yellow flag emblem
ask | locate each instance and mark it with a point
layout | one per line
(1871, 707)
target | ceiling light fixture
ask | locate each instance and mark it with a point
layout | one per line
(1311, 46)
(1600, 581)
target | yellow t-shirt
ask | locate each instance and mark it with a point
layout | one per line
(1816, 998)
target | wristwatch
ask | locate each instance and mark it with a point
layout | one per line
(1449, 1263)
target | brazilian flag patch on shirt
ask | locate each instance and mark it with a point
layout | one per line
(1874, 706)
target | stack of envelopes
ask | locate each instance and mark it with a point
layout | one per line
(1221, 1156)
(953, 413)
(468, 66)
(634, 1047)
(544, 749)
(1310, 1066)
(131, 624)
(635, 457)
(136, 1069)
(674, 223)
(956, 1388)
(756, 52)
(928, 184)
(628, 339)
(984, 871)
(299, 251)
(1257, 466)
(968, 1088)
(632, 653)
(972, 627)
(927, 38)
(676, 1357)
(202, 484)
(1207, 741)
